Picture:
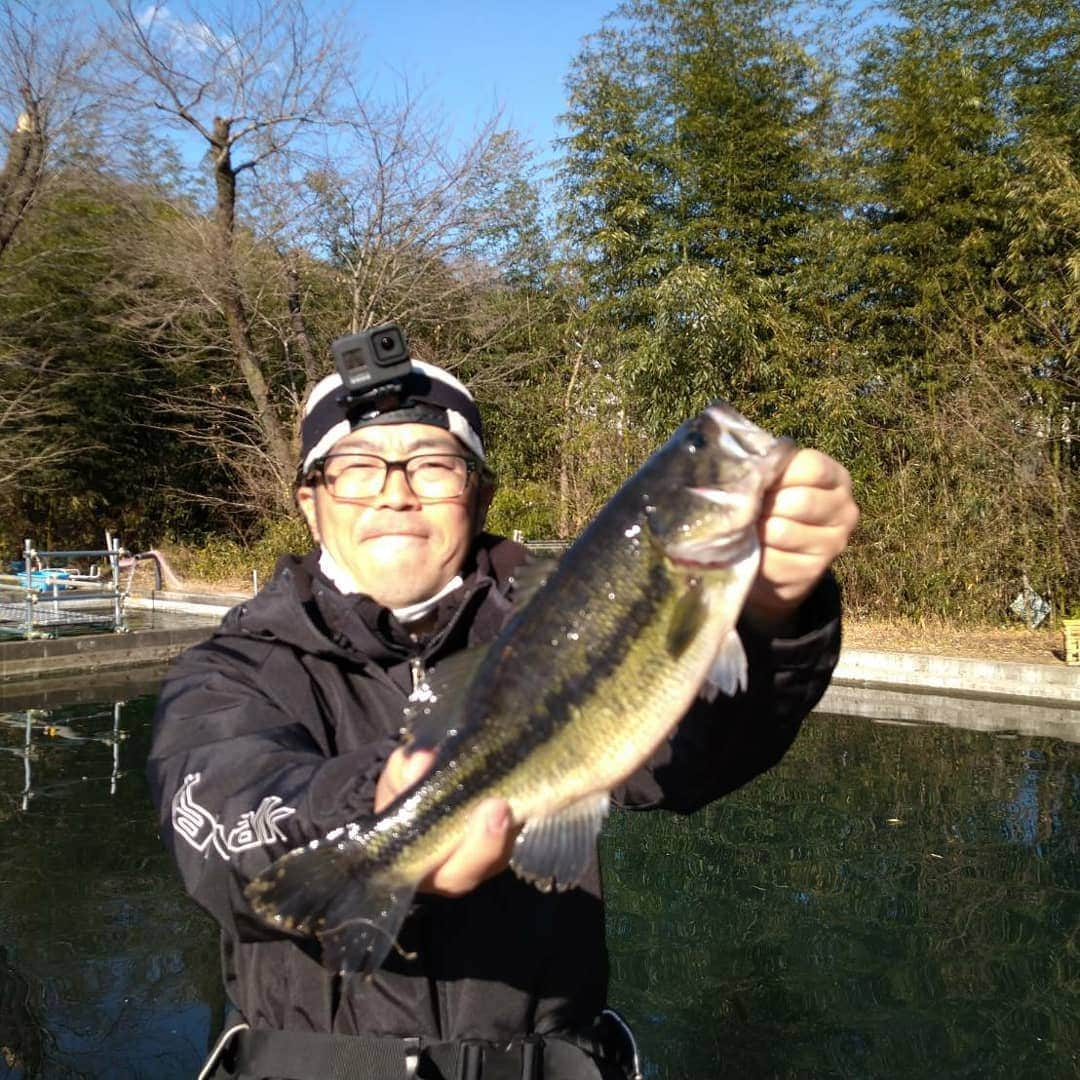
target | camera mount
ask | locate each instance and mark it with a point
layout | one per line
(373, 366)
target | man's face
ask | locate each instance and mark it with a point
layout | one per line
(399, 549)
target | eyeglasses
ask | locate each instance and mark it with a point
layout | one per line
(363, 476)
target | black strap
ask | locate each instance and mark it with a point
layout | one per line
(475, 1059)
(300, 1055)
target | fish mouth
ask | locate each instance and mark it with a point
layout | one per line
(724, 547)
(714, 552)
(739, 437)
(719, 496)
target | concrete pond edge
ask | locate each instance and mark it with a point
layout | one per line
(904, 687)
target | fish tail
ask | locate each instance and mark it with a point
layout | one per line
(324, 891)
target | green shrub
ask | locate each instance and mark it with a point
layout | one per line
(225, 562)
(525, 505)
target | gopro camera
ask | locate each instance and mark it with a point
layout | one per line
(373, 365)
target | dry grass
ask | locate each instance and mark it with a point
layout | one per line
(939, 638)
(1015, 643)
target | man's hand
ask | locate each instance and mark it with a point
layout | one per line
(484, 850)
(807, 517)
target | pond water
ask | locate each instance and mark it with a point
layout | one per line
(890, 901)
(52, 620)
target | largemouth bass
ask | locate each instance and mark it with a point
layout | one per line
(583, 684)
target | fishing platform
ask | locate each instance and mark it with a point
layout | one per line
(44, 600)
(69, 614)
(49, 594)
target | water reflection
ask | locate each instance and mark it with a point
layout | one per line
(116, 968)
(891, 901)
(42, 729)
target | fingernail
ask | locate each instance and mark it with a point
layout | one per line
(498, 819)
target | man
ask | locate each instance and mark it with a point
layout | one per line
(286, 724)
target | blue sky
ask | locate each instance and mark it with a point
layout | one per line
(475, 55)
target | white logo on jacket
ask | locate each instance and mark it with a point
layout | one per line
(200, 828)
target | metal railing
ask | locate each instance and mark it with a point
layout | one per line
(541, 547)
(50, 595)
(547, 547)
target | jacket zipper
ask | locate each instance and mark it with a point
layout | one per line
(416, 663)
(419, 675)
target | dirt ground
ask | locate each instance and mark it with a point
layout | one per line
(993, 643)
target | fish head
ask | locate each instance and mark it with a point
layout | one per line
(705, 486)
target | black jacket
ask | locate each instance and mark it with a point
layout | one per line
(275, 730)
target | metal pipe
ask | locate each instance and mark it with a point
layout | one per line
(27, 773)
(51, 592)
(74, 554)
(114, 560)
(28, 554)
(115, 747)
(70, 596)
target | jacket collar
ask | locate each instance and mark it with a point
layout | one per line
(302, 607)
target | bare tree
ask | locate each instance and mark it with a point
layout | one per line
(322, 210)
(248, 88)
(32, 72)
(415, 228)
(21, 175)
(29, 417)
(44, 62)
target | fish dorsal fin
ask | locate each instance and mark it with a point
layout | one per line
(436, 707)
(530, 578)
(555, 851)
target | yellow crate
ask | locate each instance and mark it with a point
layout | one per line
(1072, 640)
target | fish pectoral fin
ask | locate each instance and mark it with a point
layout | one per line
(361, 940)
(688, 617)
(556, 850)
(729, 669)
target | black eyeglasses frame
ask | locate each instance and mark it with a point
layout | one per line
(316, 473)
